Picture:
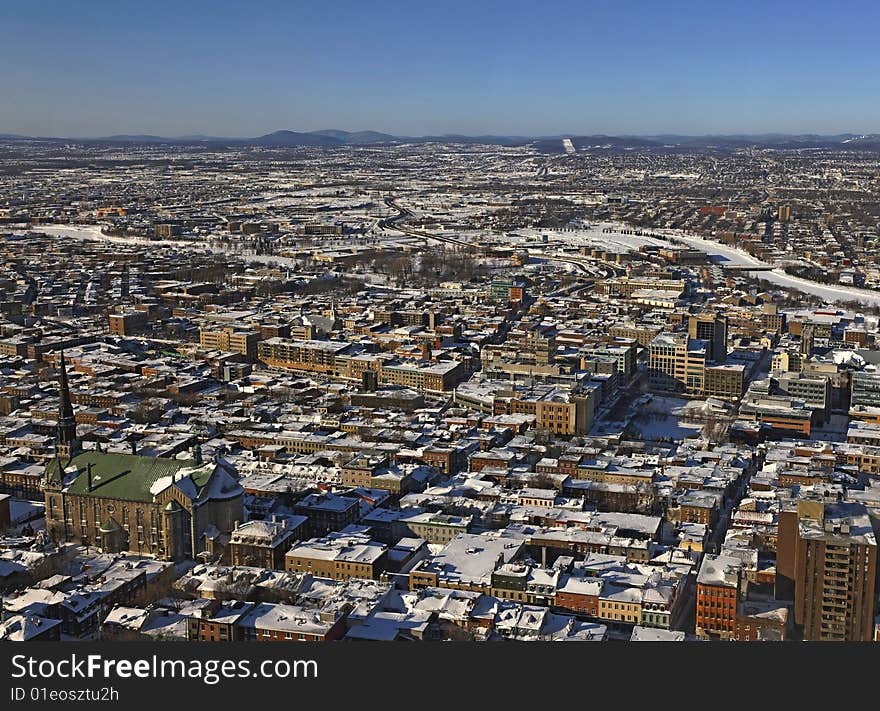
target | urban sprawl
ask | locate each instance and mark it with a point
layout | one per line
(438, 391)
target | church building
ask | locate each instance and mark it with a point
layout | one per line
(169, 508)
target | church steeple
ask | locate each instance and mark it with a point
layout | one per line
(67, 440)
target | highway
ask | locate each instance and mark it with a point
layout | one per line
(594, 268)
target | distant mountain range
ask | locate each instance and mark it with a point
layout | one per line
(326, 137)
(330, 138)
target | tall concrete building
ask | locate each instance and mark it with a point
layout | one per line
(772, 318)
(128, 322)
(815, 391)
(712, 328)
(865, 389)
(828, 554)
(230, 339)
(677, 363)
(555, 409)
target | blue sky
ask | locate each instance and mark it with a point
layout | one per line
(235, 68)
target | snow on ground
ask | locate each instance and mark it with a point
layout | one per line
(731, 256)
(603, 428)
(93, 233)
(663, 427)
(738, 257)
(26, 515)
(823, 291)
(594, 235)
(21, 510)
(665, 418)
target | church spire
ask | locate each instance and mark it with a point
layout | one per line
(67, 440)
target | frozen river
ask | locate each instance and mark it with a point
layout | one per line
(616, 239)
(93, 233)
(731, 255)
(738, 257)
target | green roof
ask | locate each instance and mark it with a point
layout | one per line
(124, 476)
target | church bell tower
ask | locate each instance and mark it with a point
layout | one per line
(68, 444)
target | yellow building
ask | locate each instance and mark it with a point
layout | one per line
(620, 604)
(338, 556)
(230, 339)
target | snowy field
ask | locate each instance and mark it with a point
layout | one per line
(592, 236)
(658, 426)
(664, 418)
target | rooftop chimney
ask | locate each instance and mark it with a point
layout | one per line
(89, 475)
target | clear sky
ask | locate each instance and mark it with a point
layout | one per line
(244, 68)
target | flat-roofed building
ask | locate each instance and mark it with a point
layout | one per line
(339, 556)
(312, 355)
(441, 376)
(725, 381)
(264, 543)
(466, 562)
(435, 527)
(128, 322)
(560, 410)
(815, 391)
(230, 339)
(711, 328)
(327, 512)
(677, 363)
(275, 622)
(718, 590)
(865, 389)
(835, 555)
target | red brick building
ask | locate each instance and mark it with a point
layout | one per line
(718, 586)
(581, 595)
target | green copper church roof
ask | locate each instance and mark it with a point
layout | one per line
(127, 477)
